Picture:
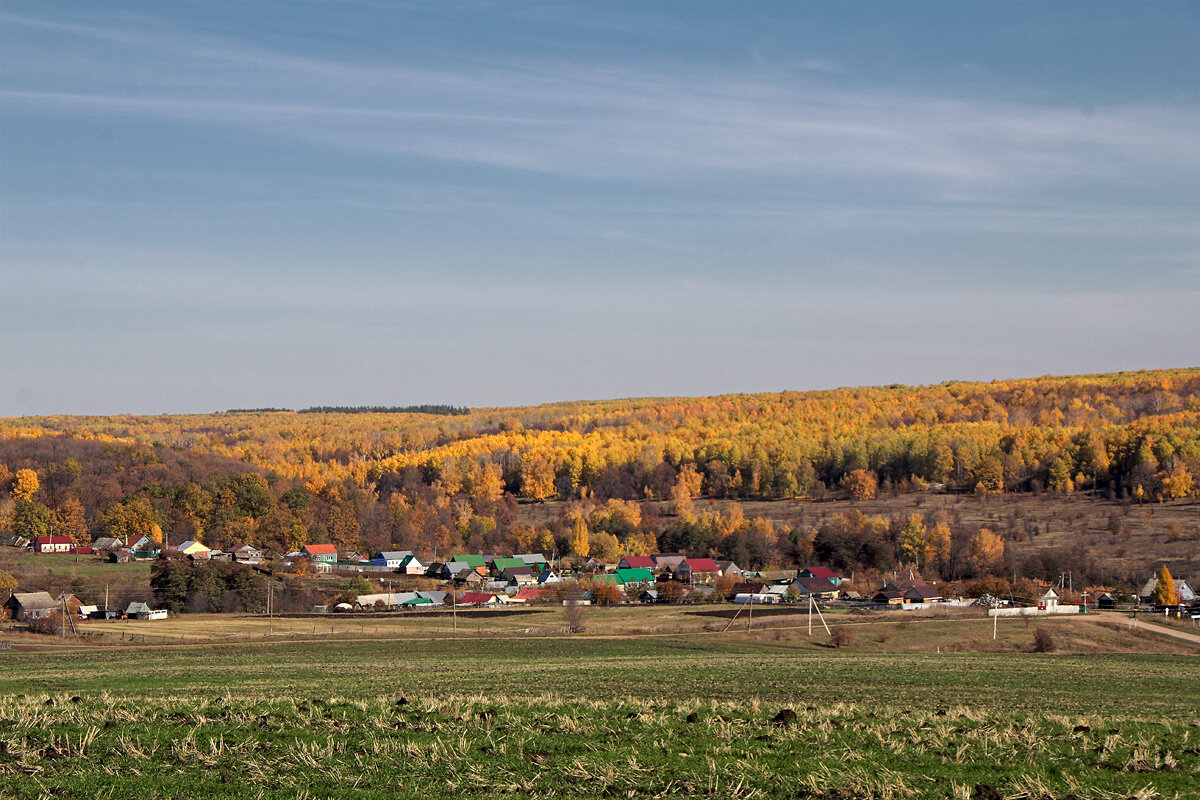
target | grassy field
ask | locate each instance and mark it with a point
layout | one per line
(603, 716)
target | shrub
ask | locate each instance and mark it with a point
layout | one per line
(840, 637)
(1043, 641)
(50, 624)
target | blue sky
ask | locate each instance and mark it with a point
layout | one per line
(235, 204)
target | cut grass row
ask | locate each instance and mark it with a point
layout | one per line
(592, 717)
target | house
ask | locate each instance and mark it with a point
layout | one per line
(776, 575)
(1106, 600)
(121, 556)
(193, 548)
(108, 543)
(474, 561)
(86, 611)
(547, 577)
(637, 562)
(537, 561)
(1187, 596)
(669, 561)
(697, 569)
(924, 593)
(531, 594)
(887, 597)
(30, 605)
(138, 541)
(649, 596)
(477, 599)
(501, 564)
(143, 611)
(820, 572)
(72, 603)
(437, 598)
(634, 575)
(819, 588)
(729, 568)
(460, 571)
(753, 593)
(1048, 601)
(14, 541)
(391, 559)
(411, 565)
(53, 544)
(519, 576)
(247, 554)
(322, 553)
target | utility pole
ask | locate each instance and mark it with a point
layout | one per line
(454, 608)
(64, 615)
(995, 620)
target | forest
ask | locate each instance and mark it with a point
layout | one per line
(625, 477)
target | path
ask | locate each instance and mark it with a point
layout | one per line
(1145, 625)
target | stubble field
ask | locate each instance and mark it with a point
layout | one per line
(678, 715)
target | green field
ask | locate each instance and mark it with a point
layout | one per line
(593, 717)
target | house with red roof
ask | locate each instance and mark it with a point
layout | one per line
(637, 562)
(53, 544)
(477, 599)
(820, 572)
(325, 553)
(697, 569)
(531, 594)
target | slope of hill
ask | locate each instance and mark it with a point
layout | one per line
(628, 472)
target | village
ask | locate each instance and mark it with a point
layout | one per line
(399, 581)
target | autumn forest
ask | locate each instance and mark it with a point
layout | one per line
(624, 477)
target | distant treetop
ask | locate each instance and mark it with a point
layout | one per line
(446, 411)
(442, 410)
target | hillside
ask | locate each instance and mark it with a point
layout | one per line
(632, 476)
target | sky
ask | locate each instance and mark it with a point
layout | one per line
(223, 205)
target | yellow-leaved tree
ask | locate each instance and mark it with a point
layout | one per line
(912, 538)
(1165, 593)
(987, 552)
(579, 542)
(25, 484)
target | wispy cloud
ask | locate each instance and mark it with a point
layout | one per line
(605, 123)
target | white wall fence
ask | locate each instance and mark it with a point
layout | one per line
(1034, 611)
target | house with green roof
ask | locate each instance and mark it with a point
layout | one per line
(634, 575)
(475, 561)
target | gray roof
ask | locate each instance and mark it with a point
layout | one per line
(32, 600)
(137, 608)
(438, 598)
(395, 555)
(533, 558)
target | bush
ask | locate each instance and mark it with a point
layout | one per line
(50, 624)
(1043, 641)
(840, 637)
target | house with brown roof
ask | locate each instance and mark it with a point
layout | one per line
(888, 597)
(819, 588)
(922, 593)
(670, 561)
